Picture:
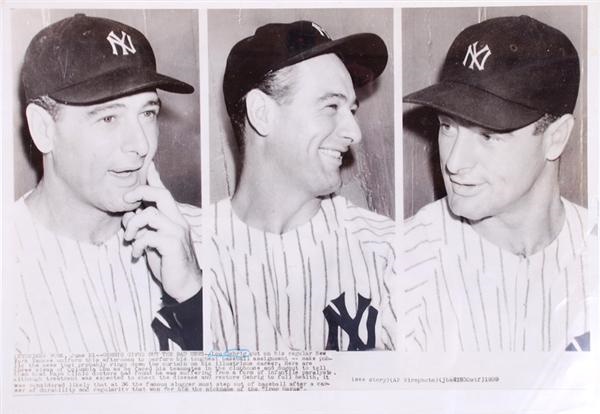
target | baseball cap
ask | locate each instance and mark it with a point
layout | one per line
(505, 73)
(278, 45)
(84, 60)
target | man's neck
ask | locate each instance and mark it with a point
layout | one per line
(527, 230)
(71, 218)
(270, 205)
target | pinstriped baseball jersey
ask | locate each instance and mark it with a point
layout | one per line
(463, 293)
(323, 285)
(75, 297)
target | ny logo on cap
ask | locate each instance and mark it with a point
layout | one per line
(476, 56)
(115, 41)
(320, 30)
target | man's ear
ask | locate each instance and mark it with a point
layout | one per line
(260, 111)
(41, 127)
(557, 135)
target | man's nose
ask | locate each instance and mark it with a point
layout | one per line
(350, 129)
(136, 138)
(460, 156)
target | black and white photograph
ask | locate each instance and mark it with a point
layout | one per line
(302, 180)
(497, 239)
(106, 153)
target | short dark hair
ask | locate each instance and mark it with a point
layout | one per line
(278, 85)
(48, 104)
(542, 124)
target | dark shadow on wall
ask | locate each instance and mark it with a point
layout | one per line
(422, 122)
(33, 156)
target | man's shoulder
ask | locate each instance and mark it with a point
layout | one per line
(364, 223)
(430, 222)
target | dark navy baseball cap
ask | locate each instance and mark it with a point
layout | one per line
(275, 46)
(506, 73)
(85, 60)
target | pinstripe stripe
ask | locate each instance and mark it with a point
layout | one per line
(380, 242)
(557, 249)
(111, 325)
(325, 217)
(325, 298)
(420, 243)
(335, 215)
(505, 294)
(549, 319)
(462, 347)
(28, 303)
(543, 300)
(139, 314)
(354, 283)
(443, 213)
(87, 293)
(287, 294)
(439, 299)
(312, 232)
(256, 338)
(581, 226)
(112, 279)
(570, 237)
(60, 249)
(73, 311)
(584, 292)
(267, 303)
(374, 233)
(418, 285)
(416, 226)
(216, 220)
(231, 227)
(483, 312)
(482, 255)
(424, 331)
(464, 243)
(462, 276)
(131, 297)
(39, 240)
(499, 319)
(385, 286)
(235, 305)
(276, 291)
(516, 311)
(419, 263)
(362, 252)
(90, 280)
(304, 284)
(310, 288)
(223, 335)
(249, 241)
(567, 308)
(413, 308)
(60, 321)
(426, 314)
(525, 315)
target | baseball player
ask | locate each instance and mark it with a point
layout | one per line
(292, 265)
(500, 263)
(105, 256)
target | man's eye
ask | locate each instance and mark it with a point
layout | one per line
(149, 114)
(108, 119)
(333, 106)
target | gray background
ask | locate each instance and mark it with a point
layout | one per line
(173, 35)
(426, 37)
(369, 180)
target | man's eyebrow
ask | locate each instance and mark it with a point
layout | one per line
(101, 108)
(117, 105)
(338, 96)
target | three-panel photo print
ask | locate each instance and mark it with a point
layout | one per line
(265, 207)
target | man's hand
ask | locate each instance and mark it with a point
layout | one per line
(160, 232)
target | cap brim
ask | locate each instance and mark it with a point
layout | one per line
(475, 106)
(364, 55)
(117, 84)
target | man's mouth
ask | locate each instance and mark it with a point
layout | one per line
(465, 188)
(328, 152)
(124, 172)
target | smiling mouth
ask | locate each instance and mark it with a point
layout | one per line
(332, 153)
